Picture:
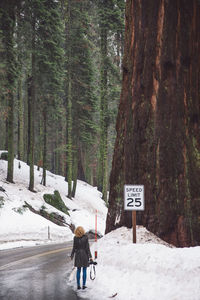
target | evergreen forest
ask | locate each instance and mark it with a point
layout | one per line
(60, 82)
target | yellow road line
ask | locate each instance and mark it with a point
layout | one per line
(14, 263)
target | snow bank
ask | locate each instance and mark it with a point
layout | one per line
(147, 270)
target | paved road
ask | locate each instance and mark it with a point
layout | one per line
(36, 273)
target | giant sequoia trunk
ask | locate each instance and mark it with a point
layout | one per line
(158, 125)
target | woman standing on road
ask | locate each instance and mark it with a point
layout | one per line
(81, 249)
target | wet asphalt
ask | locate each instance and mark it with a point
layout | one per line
(37, 273)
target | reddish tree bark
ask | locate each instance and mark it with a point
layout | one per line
(158, 124)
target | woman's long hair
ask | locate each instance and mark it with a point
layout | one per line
(79, 231)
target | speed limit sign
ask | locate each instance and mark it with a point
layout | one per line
(133, 197)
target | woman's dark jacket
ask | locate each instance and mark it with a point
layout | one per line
(81, 249)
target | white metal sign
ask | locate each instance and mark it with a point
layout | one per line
(133, 197)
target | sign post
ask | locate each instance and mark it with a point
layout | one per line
(134, 225)
(134, 200)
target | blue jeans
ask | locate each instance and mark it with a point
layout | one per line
(78, 275)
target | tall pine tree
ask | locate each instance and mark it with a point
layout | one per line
(80, 91)
(111, 30)
(8, 19)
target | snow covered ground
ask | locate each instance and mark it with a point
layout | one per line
(19, 226)
(148, 270)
